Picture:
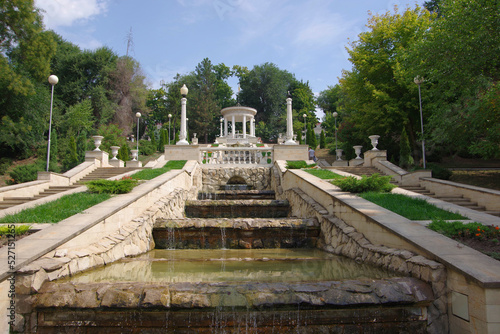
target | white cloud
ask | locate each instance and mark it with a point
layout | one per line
(67, 12)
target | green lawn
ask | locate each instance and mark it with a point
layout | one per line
(324, 174)
(408, 207)
(57, 210)
(149, 174)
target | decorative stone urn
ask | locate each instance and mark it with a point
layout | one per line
(135, 154)
(339, 154)
(114, 152)
(374, 139)
(357, 150)
(97, 142)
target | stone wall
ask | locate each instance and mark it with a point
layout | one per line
(257, 177)
(132, 238)
(339, 238)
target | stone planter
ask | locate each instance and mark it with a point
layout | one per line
(374, 139)
(135, 154)
(114, 152)
(97, 142)
(357, 150)
(339, 152)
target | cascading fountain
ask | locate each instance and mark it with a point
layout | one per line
(249, 272)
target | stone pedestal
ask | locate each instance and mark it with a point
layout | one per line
(116, 163)
(134, 163)
(102, 156)
(176, 152)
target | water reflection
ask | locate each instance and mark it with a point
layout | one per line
(258, 265)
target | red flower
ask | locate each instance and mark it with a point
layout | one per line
(478, 234)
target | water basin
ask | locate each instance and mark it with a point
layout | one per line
(232, 265)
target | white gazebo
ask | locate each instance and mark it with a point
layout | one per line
(238, 114)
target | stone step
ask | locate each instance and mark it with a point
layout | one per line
(237, 194)
(235, 233)
(493, 213)
(237, 208)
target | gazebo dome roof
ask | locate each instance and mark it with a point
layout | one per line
(238, 112)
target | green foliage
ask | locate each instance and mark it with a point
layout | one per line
(18, 230)
(375, 182)
(324, 174)
(379, 93)
(55, 211)
(70, 159)
(113, 136)
(5, 163)
(147, 147)
(405, 158)
(461, 230)
(439, 172)
(149, 174)
(298, 164)
(322, 139)
(124, 153)
(408, 207)
(123, 186)
(27, 173)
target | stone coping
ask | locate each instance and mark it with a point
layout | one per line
(38, 244)
(465, 186)
(248, 295)
(236, 223)
(473, 264)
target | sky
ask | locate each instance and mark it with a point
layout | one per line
(305, 37)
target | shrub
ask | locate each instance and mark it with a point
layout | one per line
(376, 183)
(405, 158)
(464, 230)
(27, 173)
(4, 165)
(18, 230)
(147, 147)
(298, 164)
(439, 172)
(322, 139)
(122, 186)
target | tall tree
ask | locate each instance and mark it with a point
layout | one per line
(203, 99)
(460, 59)
(379, 91)
(265, 88)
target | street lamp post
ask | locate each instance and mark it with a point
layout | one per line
(335, 114)
(53, 80)
(418, 80)
(182, 136)
(169, 117)
(305, 129)
(138, 115)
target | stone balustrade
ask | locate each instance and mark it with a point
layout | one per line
(236, 155)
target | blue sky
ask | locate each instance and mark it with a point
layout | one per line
(306, 38)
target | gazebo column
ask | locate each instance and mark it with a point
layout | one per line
(244, 126)
(233, 130)
(252, 127)
(225, 127)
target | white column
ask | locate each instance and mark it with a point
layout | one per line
(233, 130)
(289, 123)
(244, 126)
(225, 127)
(182, 135)
(252, 127)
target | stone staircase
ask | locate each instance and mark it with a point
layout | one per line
(98, 174)
(457, 200)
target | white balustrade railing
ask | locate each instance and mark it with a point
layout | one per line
(236, 155)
